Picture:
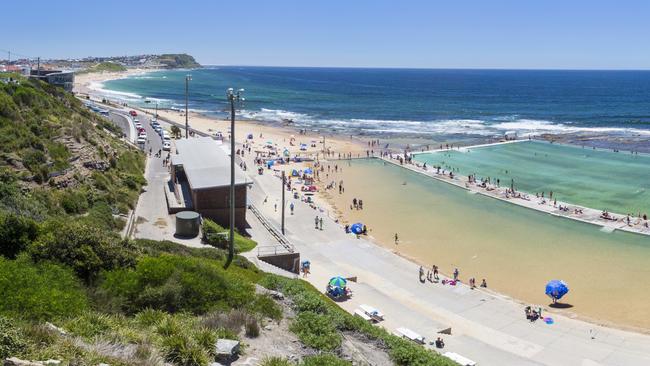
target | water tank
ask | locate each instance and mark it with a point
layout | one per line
(188, 224)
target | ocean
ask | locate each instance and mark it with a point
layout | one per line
(412, 102)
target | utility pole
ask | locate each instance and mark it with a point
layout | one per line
(283, 189)
(38, 68)
(187, 88)
(8, 57)
(232, 98)
(156, 110)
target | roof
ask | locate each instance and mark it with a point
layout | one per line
(205, 164)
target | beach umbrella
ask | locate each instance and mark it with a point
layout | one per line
(338, 281)
(356, 228)
(555, 289)
(250, 136)
(309, 171)
(294, 173)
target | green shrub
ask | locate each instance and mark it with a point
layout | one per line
(11, 340)
(310, 301)
(74, 202)
(86, 249)
(173, 283)
(16, 233)
(325, 360)
(316, 330)
(39, 291)
(276, 361)
(183, 351)
(217, 236)
(264, 305)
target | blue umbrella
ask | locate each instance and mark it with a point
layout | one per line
(338, 281)
(356, 228)
(308, 171)
(555, 289)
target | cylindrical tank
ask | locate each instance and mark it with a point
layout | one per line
(188, 224)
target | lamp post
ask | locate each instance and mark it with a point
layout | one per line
(233, 97)
(188, 77)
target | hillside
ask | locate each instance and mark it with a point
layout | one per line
(178, 61)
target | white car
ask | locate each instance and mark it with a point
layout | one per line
(135, 120)
(143, 135)
(153, 119)
(141, 140)
(167, 146)
(138, 125)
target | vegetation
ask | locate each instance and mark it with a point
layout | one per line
(178, 61)
(217, 236)
(320, 322)
(43, 291)
(105, 66)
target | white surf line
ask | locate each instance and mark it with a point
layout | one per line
(465, 148)
(533, 205)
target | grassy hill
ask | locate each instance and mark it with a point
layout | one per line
(178, 61)
(72, 289)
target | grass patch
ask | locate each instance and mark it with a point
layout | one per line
(216, 235)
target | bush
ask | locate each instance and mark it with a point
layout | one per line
(217, 236)
(325, 360)
(181, 350)
(252, 328)
(16, 233)
(39, 291)
(275, 361)
(264, 305)
(316, 331)
(86, 249)
(11, 341)
(173, 283)
(309, 301)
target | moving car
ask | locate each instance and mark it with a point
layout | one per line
(167, 146)
(133, 113)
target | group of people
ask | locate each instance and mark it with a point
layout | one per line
(433, 276)
(357, 204)
(532, 314)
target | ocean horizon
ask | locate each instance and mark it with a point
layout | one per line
(448, 103)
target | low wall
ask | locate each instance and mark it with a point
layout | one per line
(287, 261)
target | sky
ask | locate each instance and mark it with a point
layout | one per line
(511, 34)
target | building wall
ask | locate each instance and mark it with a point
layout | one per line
(213, 204)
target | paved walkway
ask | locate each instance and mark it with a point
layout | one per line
(486, 327)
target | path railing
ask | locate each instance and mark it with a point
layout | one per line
(285, 245)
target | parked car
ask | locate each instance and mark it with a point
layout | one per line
(142, 134)
(167, 146)
(154, 119)
(141, 139)
(133, 113)
(141, 129)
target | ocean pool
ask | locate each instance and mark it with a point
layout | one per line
(603, 180)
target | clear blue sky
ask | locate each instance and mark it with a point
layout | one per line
(574, 34)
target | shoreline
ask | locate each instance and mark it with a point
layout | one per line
(282, 134)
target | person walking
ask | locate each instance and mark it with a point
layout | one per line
(456, 274)
(316, 222)
(396, 239)
(291, 207)
(321, 223)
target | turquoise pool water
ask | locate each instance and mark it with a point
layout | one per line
(618, 182)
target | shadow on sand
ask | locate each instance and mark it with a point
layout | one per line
(560, 305)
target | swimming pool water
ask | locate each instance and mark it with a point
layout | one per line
(605, 180)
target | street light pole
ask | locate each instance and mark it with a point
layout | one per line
(232, 98)
(188, 77)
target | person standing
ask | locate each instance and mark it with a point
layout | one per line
(321, 223)
(291, 207)
(456, 274)
(316, 222)
(396, 239)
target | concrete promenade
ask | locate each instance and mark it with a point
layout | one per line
(488, 328)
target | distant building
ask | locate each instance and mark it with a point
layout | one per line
(20, 69)
(201, 170)
(63, 79)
